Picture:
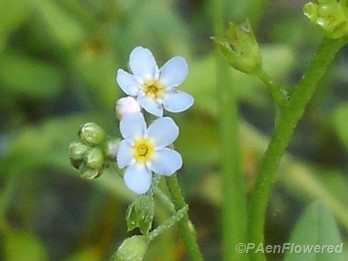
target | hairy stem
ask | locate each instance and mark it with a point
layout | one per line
(281, 137)
(187, 231)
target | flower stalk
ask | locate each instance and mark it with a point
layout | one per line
(281, 137)
(187, 231)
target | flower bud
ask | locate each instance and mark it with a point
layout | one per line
(132, 249)
(240, 48)
(126, 105)
(330, 16)
(94, 158)
(88, 173)
(92, 134)
(77, 152)
(112, 149)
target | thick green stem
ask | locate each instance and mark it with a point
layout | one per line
(233, 208)
(187, 231)
(281, 137)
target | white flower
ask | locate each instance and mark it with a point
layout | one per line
(144, 150)
(155, 88)
(126, 105)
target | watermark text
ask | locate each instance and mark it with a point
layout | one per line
(288, 247)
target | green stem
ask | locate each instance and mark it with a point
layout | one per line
(186, 228)
(281, 137)
(168, 223)
(233, 208)
(278, 95)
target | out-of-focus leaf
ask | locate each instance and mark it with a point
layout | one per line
(86, 254)
(23, 246)
(198, 141)
(26, 76)
(164, 28)
(97, 66)
(46, 145)
(341, 123)
(13, 13)
(60, 24)
(201, 82)
(316, 227)
(277, 60)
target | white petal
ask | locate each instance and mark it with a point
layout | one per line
(163, 131)
(150, 105)
(124, 154)
(173, 72)
(128, 83)
(143, 64)
(132, 125)
(138, 178)
(166, 162)
(177, 101)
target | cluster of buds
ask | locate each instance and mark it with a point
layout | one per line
(88, 154)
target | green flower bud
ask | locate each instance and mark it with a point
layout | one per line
(240, 48)
(132, 249)
(94, 158)
(330, 16)
(92, 134)
(88, 173)
(77, 152)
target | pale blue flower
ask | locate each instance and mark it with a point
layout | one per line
(155, 88)
(145, 150)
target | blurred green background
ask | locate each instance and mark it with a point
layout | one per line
(58, 60)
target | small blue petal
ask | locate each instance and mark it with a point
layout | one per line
(163, 131)
(128, 83)
(150, 105)
(124, 154)
(166, 162)
(173, 72)
(177, 101)
(132, 125)
(138, 178)
(143, 64)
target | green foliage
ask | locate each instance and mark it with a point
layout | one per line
(340, 123)
(20, 245)
(25, 76)
(140, 214)
(57, 70)
(316, 228)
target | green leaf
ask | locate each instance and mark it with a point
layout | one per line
(20, 245)
(341, 123)
(13, 13)
(63, 27)
(140, 214)
(30, 77)
(316, 236)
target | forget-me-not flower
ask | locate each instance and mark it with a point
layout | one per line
(155, 88)
(145, 150)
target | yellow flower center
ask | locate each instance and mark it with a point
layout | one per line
(153, 89)
(143, 150)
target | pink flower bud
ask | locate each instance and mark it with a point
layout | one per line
(127, 105)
